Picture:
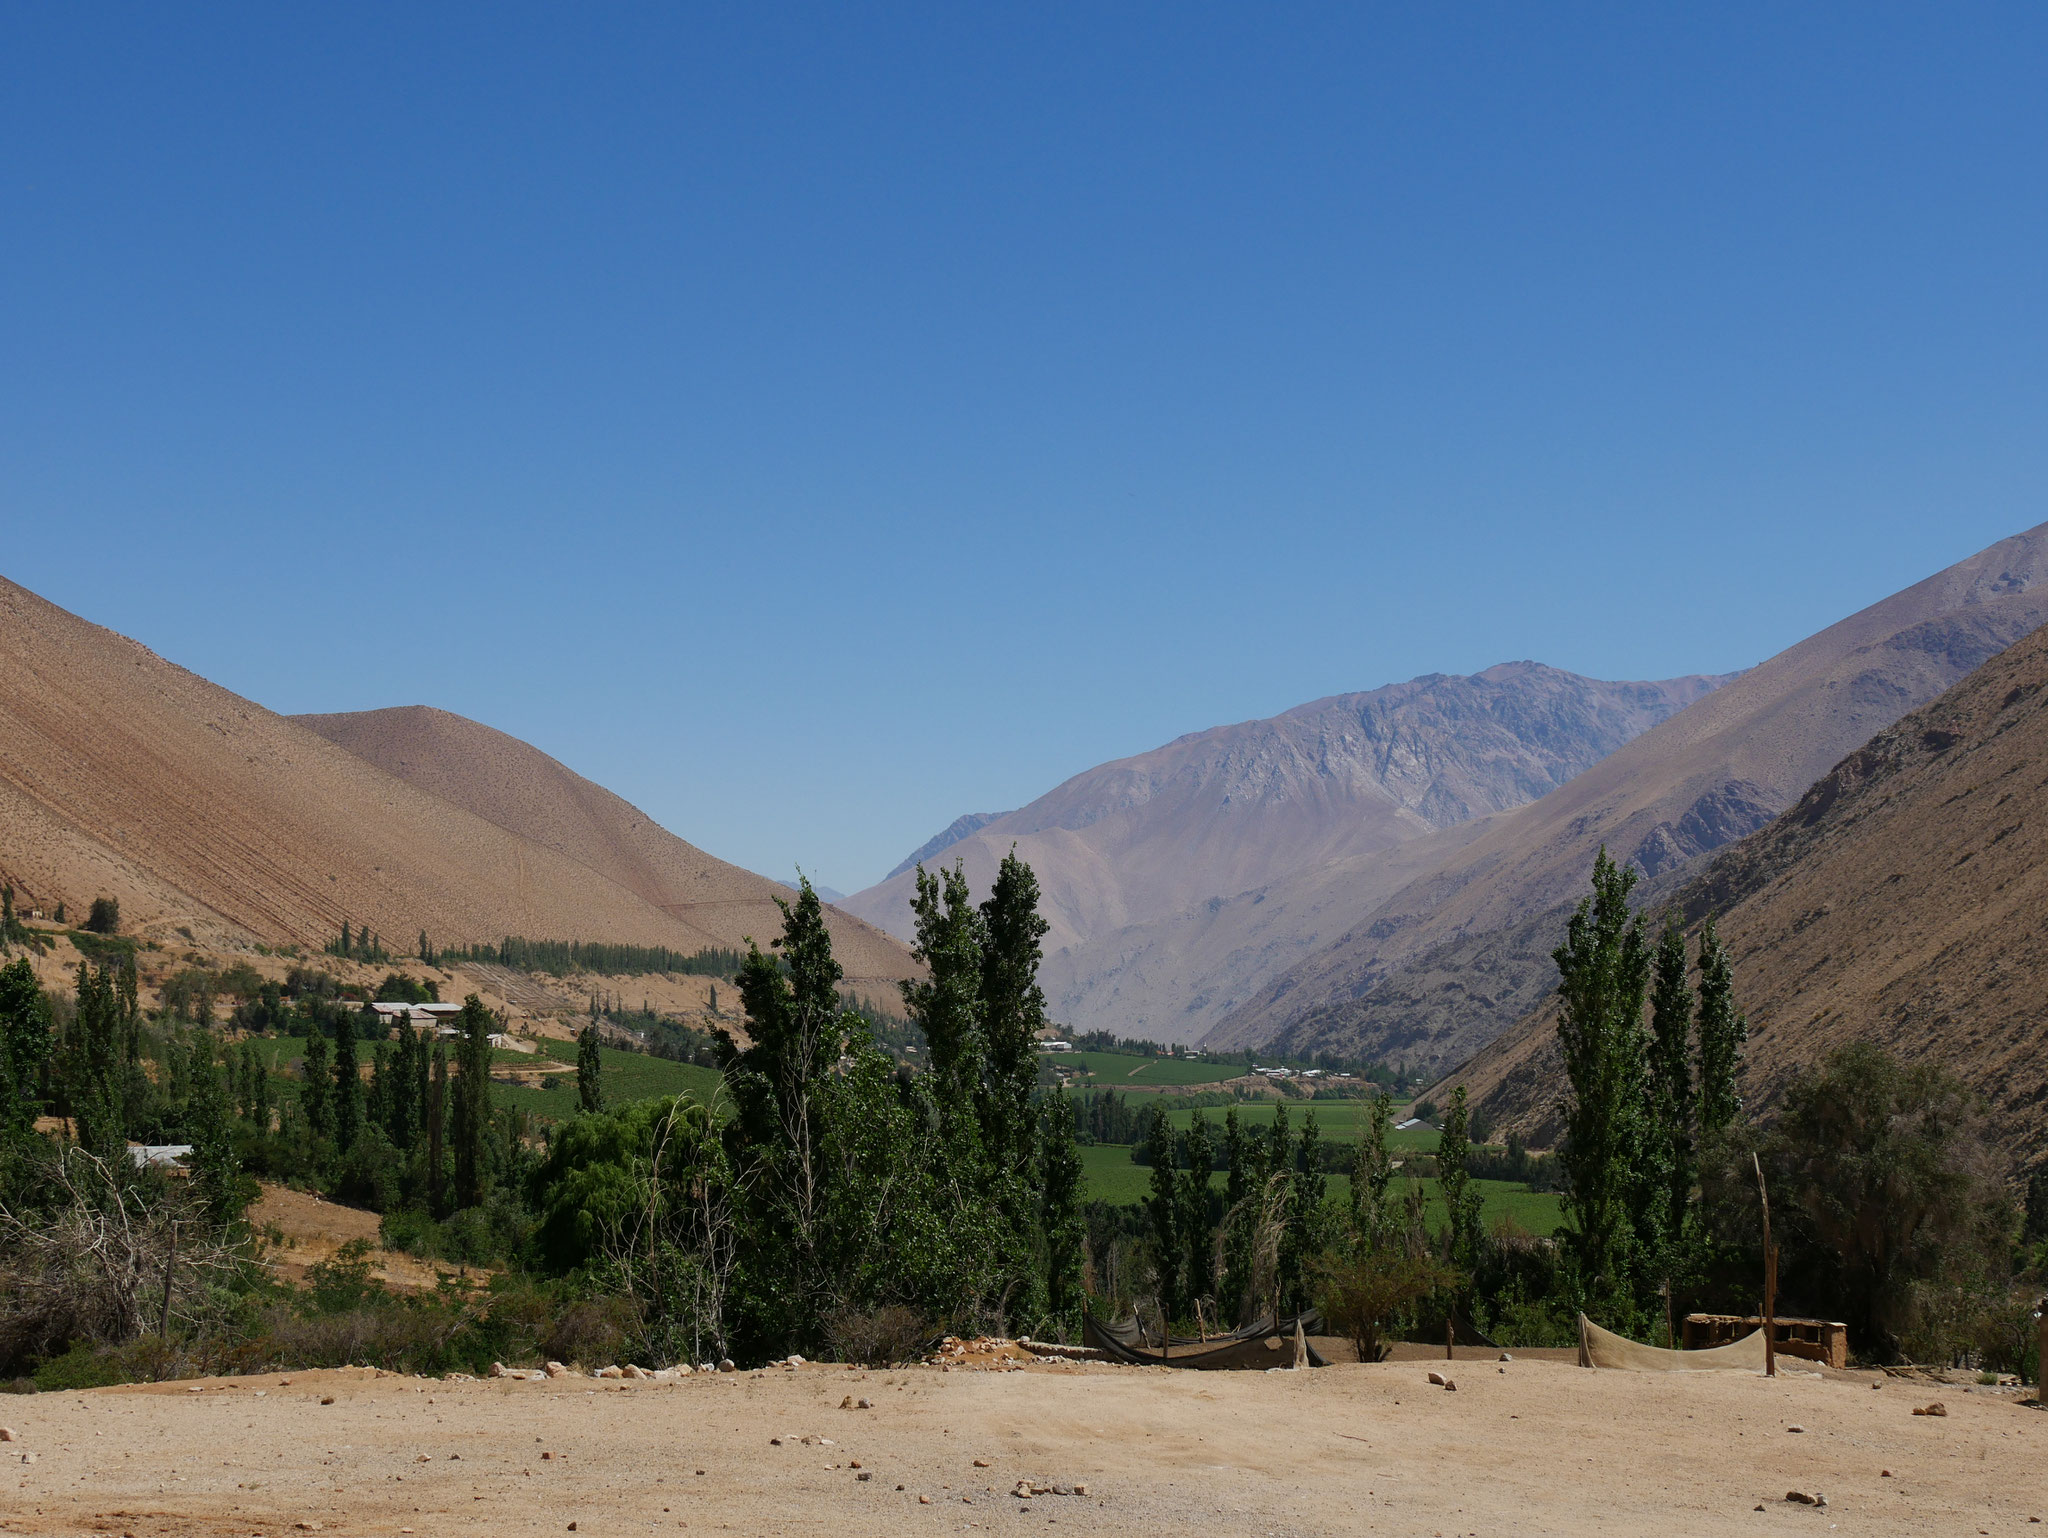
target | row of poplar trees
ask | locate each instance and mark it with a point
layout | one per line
(949, 1196)
(1650, 1097)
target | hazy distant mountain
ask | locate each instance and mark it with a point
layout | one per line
(1214, 816)
(1899, 901)
(1437, 969)
(959, 828)
(126, 776)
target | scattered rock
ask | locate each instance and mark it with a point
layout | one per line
(609, 1372)
(28, 1457)
(7, 1434)
(630, 1371)
(924, 1500)
(864, 1474)
(195, 1389)
(1505, 1357)
(981, 1463)
(795, 1360)
(1437, 1378)
(1450, 1386)
(497, 1369)
(775, 1441)
(725, 1365)
(863, 1404)
(309, 1527)
(846, 1403)
(1795, 1428)
(556, 1370)
(1884, 1473)
(1800, 1497)
(1937, 1408)
(1080, 1489)
(327, 1399)
(547, 1457)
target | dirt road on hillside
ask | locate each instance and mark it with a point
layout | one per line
(1539, 1448)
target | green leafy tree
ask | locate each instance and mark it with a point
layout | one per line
(947, 1002)
(1305, 1236)
(1012, 1014)
(1163, 1209)
(316, 1087)
(1603, 972)
(437, 1129)
(24, 1046)
(216, 1174)
(1454, 1182)
(471, 1118)
(1722, 1031)
(1197, 1233)
(1671, 1154)
(589, 1071)
(347, 1105)
(1373, 1218)
(1244, 1177)
(1060, 1213)
(105, 917)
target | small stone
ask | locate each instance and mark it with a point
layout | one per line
(1795, 1428)
(7, 1434)
(1023, 1492)
(309, 1527)
(864, 1474)
(572, 1527)
(1505, 1357)
(725, 1365)
(546, 1457)
(327, 1399)
(195, 1389)
(846, 1403)
(1937, 1408)
(28, 1457)
(775, 1441)
(700, 1473)
(1884, 1473)
(853, 1463)
(1437, 1378)
(497, 1369)
(1080, 1489)
(981, 1463)
(1450, 1387)
(924, 1500)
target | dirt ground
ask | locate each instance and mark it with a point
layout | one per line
(1538, 1448)
(300, 1229)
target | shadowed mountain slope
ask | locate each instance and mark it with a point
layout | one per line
(124, 775)
(1436, 971)
(1136, 857)
(1900, 901)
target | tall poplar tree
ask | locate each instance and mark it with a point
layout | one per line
(589, 1071)
(1197, 1234)
(1603, 970)
(316, 1086)
(472, 1111)
(1164, 1209)
(1672, 1158)
(1454, 1182)
(1722, 1031)
(348, 1082)
(1059, 1184)
(1012, 1014)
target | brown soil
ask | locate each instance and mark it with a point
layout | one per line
(216, 822)
(1537, 1448)
(302, 1229)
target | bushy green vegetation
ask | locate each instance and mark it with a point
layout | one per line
(1124, 1070)
(561, 958)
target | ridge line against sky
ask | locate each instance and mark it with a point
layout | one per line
(813, 426)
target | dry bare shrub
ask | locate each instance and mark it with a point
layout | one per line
(104, 1262)
(878, 1337)
(593, 1332)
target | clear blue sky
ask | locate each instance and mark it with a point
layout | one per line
(817, 425)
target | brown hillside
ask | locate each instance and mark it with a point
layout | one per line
(125, 775)
(519, 788)
(1155, 868)
(1711, 774)
(1900, 901)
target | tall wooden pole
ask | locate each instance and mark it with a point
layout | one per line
(1770, 1277)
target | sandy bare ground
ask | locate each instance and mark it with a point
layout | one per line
(1542, 1447)
(301, 1229)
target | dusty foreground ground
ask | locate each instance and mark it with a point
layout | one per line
(1542, 1447)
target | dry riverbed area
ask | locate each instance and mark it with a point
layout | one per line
(1521, 1447)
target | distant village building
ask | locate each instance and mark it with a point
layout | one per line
(417, 1015)
(1055, 1046)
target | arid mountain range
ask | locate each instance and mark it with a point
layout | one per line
(1331, 786)
(1383, 875)
(1901, 901)
(124, 775)
(1446, 964)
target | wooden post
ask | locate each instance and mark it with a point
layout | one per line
(1450, 1339)
(1770, 1277)
(163, 1325)
(1670, 1337)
